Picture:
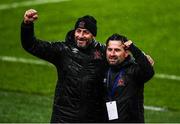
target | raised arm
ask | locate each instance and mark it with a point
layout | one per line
(43, 49)
(144, 70)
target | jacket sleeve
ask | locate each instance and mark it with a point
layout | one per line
(45, 50)
(144, 70)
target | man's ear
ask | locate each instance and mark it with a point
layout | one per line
(127, 53)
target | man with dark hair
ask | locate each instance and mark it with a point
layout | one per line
(125, 80)
(80, 66)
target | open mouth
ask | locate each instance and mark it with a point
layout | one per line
(81, 41)
(112, 59)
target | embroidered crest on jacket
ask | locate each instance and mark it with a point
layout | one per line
(97, 55)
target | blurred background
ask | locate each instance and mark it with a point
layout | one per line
(27, 83)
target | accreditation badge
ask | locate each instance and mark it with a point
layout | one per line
(112, 110)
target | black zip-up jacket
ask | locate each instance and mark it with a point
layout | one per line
(129, 90)
(79, 90)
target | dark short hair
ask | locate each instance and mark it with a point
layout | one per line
(117, 37)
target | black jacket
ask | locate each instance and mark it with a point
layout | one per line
(79, 90)
(128, 93)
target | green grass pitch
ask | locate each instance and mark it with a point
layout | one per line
(26, 90)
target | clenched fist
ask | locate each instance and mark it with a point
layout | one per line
(30, 16)
(127, 44)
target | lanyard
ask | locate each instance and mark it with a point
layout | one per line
(117, 78)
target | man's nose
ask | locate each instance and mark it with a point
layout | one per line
(112, 53)
(81, 34)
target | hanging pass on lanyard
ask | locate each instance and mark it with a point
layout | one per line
(112, 105)
(112, 110)
(115, 83)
